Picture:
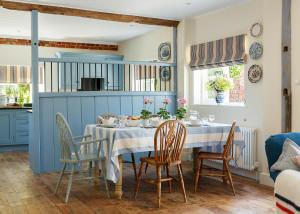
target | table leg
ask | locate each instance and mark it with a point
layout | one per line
(195, 158)
(118, 186)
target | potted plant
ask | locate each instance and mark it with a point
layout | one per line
(163, 112)
(146, 113)
(8, 92)
(23, 94)
(219, 86)
(181, 111)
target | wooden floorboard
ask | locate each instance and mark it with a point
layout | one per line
(23, 192)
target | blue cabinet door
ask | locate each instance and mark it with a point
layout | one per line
(6, 127)
(21, 127)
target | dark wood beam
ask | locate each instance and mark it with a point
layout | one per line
(11, 5)
(286, 72)
(57, 44)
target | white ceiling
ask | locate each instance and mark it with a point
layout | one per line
(16, 24)
(52, 27)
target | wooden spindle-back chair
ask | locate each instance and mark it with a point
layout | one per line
(70, 153)
(169, 140)
(225, 156)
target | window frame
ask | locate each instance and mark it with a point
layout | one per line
(199, 100)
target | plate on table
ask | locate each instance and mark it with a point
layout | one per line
(107, 126)
(192, 125)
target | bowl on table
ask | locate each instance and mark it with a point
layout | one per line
(133, 121)
(195, 122)
(106, 121)
(156, 121)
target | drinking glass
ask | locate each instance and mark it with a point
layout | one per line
(122, 121)
(211, 118)
(194, 115)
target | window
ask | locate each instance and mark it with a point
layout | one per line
(231, 75)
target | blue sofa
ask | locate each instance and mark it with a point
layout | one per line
(273, 148)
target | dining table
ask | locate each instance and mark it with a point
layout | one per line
(126, 140)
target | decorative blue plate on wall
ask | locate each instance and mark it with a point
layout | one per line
(256, 50)
(164, 51)
(255, 73)
(165, 73)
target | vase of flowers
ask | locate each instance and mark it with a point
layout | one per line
(163, 112)
(146, 113)
(219, 86)
(181, 111)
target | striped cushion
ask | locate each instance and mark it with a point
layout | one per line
(290, 149)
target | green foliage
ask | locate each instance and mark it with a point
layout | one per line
(9, 91)
(215, 72)
(15, 92)
(220, 84)
(23, 94)
(180, 113)
(145, 114)
(163, 113)
(235, 71)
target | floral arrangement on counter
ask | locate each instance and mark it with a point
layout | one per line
(163, 112)
(146, 113)
(181, 111)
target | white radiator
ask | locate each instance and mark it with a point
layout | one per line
(247, 160)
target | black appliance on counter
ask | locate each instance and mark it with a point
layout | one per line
(92, 84)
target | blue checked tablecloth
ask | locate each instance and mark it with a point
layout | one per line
(135, 139)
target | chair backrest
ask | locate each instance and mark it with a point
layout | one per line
(228, 147)
(169, 139)
(65, 139)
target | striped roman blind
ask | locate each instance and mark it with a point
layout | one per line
(219, 53)
(18, 74)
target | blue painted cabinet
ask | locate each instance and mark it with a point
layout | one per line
(71, 73)
(6, 127)
(14, 127)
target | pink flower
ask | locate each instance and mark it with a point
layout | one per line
(148, 101)
(166, 101)
(181, 101)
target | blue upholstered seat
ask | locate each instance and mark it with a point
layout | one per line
(274, 146)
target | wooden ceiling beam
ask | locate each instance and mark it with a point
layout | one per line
(11, 5)
(60, 44)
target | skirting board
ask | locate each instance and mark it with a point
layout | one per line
(265, 179)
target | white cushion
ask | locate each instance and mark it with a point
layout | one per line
(290, 149)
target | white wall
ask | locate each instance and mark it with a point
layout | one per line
(263, 106)
(295, 64)
(21, 55)
(145, 47)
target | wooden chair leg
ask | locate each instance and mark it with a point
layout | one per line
(70, 184)
(198, 173)
(229, 177)
(133, 165)
(158, 184)
(60, 178)
(181, 182)
(149, 155)
(170, 181)
(224, 178)
(90, 171)
(104, 178)
(197, 168)
(138, 181)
